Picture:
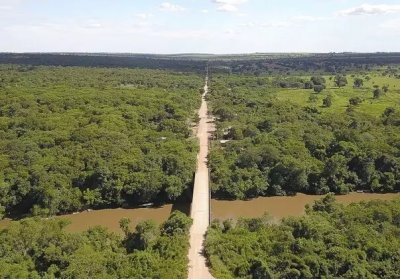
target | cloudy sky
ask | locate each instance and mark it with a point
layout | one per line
(204, 26)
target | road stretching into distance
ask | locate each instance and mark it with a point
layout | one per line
(200, 210)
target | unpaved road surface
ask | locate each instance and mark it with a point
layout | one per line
(201, 199)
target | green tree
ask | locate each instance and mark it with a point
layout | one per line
(319, 88)
(177, 223)
(147, 232)
(377, 93)
(326, 204)
(37, 248)
(260, 270)
(313, 98)
(2, 211)
(87, 263)
(358, 82)
(340, 80)
(308, 85)
(385, 88)
(265, 126)
(355, 101)
(332, 241)
(124, 225)
(389, 111)
(318, 80)
(327, 101)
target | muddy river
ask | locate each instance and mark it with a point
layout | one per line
(277, 207)
(110, 217)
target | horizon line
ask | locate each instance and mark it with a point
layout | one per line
(193, 53)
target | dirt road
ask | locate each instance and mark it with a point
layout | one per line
(201, 202)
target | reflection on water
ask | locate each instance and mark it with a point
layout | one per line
(279, 207)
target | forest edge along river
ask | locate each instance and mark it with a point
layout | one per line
(109, 218)
(276, 207)
(279, 207)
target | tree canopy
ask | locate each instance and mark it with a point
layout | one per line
(34, 248)
(280, 144)
(331, 241)
(73, 138)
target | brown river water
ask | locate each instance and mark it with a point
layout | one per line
(280, 207)
(110, 217)
(277, 207)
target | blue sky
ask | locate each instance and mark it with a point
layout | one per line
(204, 26)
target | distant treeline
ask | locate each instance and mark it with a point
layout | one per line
(255, 64)
(323, 63)
(105, 60)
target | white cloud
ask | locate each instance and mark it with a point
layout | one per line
(367, 9)
(141, 24)
(230, 2)
(143, 16)
(288, 22)
(169, 7)
(9, 2)
(143, 20)
(230, 32)
(7, 5)
(180, 34)
(228, 5)
(5, 8)
(248, 24)
(94, 25)
(227, 8)
(303, 18)
(393, 24)
(276, 24)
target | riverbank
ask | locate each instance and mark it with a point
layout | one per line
(283, 206)
(110, 218)
(277, 207)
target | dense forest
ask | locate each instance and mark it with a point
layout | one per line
(303, 133)
(34, 248)
(77, 133)
(258, 64)
(294, 63)
(109, 60)
(74, 138)
(331, 241)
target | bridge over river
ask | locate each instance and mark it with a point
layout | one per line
(200, 209)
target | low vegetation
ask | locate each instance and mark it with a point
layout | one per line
(331, 241)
